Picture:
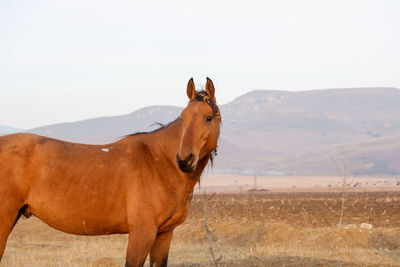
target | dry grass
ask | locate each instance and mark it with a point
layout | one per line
(252, 229)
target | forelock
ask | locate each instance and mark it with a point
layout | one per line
(202, 96)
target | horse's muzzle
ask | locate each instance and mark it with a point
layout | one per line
(186, 165)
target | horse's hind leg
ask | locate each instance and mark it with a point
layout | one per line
(9, 215)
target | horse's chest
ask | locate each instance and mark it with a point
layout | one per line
(176, 217)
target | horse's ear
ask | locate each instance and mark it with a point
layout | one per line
(191, 90)
(210, 90)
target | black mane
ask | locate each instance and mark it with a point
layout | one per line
(161, 126)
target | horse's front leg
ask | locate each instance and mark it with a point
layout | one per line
(140, 242)
(159, 250)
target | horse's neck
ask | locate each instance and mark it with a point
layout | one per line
(165, 142)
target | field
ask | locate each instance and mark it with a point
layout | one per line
(251, 228)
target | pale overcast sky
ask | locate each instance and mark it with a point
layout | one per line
(70, 60)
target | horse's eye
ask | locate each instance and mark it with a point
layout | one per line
(209, 118)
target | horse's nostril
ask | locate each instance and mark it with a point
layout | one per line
(190, 159)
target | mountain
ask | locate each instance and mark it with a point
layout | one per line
(278, 132)
(299, 132)
(109, 129)
(8, 130)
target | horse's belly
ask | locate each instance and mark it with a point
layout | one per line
(83, 224)
(80, 216)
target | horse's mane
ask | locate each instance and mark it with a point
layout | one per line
(160, 127)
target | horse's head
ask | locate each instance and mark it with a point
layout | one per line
(200, 127)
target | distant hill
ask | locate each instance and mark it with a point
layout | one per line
(109, 129)
(299, 132)
(280, 132)
(7, 130)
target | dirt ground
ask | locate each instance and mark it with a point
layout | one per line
(236, 183)
(251, 228)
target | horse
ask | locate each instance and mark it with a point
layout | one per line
(141, 184)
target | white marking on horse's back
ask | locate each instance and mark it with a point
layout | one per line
(105, 149)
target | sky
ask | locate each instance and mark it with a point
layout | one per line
(70, 60)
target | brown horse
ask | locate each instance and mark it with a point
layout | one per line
(141, 184)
